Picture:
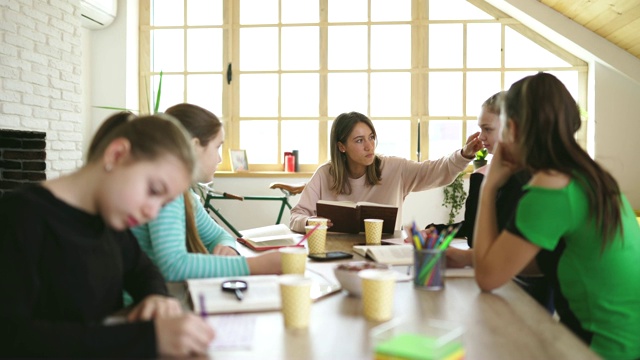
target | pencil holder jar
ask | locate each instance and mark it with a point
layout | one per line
(429, 267)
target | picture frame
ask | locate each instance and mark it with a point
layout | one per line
(238, 160)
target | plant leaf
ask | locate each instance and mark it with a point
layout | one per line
(157, 105)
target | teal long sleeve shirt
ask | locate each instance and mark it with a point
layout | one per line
(164, 241)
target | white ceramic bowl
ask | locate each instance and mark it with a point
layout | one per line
(347, 274)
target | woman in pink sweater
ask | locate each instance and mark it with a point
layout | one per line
(356, 173)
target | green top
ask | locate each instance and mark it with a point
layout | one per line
(602, 288)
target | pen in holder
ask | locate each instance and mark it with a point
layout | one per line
(429, 269)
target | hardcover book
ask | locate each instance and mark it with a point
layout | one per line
(348, 216)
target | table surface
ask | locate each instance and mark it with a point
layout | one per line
(504, 324)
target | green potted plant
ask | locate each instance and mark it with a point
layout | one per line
(481, 159)
(454, 197)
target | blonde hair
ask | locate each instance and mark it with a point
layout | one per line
(340, 130)
(203, 125)
(150, 137)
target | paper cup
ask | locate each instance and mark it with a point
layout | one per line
(378, 288)
(315, 221)
(317, 240)
(295, 293)
(373, 231)
(293, 259)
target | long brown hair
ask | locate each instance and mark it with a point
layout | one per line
(340, 131)
(203, 125)
(149, 137)
(546, 118)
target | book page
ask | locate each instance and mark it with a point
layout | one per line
(364, 203)
(394, 255)
(263, 293)
(271, 230)
(349, 204)
(275, 240)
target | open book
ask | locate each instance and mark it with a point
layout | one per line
(401, 255)
(348, 216)
(269, 237)
(262, 293)
(388, 254)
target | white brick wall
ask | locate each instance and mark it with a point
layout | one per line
(40, 76)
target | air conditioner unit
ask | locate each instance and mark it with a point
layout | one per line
(98, 14)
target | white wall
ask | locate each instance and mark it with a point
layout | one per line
(41, 76)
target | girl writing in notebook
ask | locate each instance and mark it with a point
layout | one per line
(571, 206)
(184, 241)
(66, 253)
(356, 173)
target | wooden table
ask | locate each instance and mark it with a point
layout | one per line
(505, 324)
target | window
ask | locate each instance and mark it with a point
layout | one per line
(277, 72)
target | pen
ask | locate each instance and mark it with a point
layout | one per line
(203, 310)
(306, 236)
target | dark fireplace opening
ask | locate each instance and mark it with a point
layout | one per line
(22, 158)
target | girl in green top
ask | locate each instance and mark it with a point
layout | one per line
(571, 207)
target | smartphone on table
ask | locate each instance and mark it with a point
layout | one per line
(331, 255)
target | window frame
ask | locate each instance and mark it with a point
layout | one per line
(419, 73)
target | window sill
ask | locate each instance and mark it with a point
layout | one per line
(262, 174)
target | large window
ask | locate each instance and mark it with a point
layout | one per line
(277, 72)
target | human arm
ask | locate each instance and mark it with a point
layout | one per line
(59, 293)
(498, 257)
(213, 236)
(266, 263)
(472, 146)
(306, 206)
(167, 247)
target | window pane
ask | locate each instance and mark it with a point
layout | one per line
(300, 48)
(394, 137)
(522, 52)
(204, 12)
(260, 139)
(258, 11)
(205, 91)
(347, 47)
(258, 95)
(300, 95)
(167, 47)
(347, 10)
(385, 10)
(445, 93)
(391, 47)
(455, 10)
(480, 85)
(300, 11)
(258, 49)
(301, 135)
(444, 138)
(445, 46)
(203, 50)
(484, 48)
(167, 12)
(391, 94)
(347, 92)
(172, 91)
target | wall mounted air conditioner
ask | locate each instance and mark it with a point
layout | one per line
(98, 14)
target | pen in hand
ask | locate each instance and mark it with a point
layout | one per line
(203, 310)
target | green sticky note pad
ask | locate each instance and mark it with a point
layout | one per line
(415, 347)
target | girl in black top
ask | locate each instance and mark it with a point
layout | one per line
(66, 253)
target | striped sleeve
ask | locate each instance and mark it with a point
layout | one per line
(168, 249)
(210, 232)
